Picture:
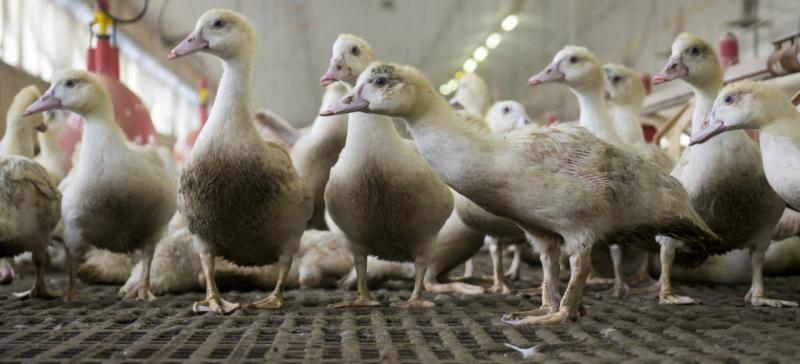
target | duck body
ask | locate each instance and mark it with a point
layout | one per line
(780, 152)
(379, 188)
(242, 196)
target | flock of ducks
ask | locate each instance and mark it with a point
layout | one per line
(350, 202)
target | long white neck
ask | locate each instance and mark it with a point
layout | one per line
(231, 114)
(455, 152)
(48, 141)
(628, 124)
(18, 139)
(594, 115)
(367, 132)
(704, 96)
(102, 137)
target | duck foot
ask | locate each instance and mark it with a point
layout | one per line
(530, 292)
(672, 299)
(140, 292)
(519, 315)
(547, 319)
(215, 304)
(358, 302)
(36, 292)
(414, 303)
(271, 301)
(618, 291)
(499, 287)
(512, 275)
(596, 281)
(764, 301)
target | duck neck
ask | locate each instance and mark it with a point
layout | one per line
(101, 134)
(628, 124)
(371, 131)
(450, 145)
(594, 115)
(231, 113)
(48, 141)
(704, 95)
(18, 139)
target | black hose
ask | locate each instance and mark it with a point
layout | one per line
(126, 21)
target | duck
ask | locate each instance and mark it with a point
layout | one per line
(274, 127)
(121, 196)
(315, 152)
(29, 201)
(724, 176)
(747, 105)
(381, 193)
(242, 198)
(578, 69)
(50, 156)
(585, 190)
(472, 94)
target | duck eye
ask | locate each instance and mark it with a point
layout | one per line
(616, 79)
(506, 110)
(694, 51)
(355, 51)
(219, 23)
(728, 99)
(380, 81)
(70, 83)
(573, 59)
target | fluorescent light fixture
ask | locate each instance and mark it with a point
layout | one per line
(444, 90)
(470, 65)
(684, 140)
(480, 54)
(510, 22)
(493, 40)
(452, 84)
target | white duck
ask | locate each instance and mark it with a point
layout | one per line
(472, 94)
(121, 197)
(724, 176)
(29, 200)
(315, 153)
(557, 182)
(274, 127)
(51, 157)
(381, 193)
(579, 69)
(241, 197)
(755, 105)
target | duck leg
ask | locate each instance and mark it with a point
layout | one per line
(571, 305)
(363, 298)
(550, 254)
(500, 285)
(514, 269)
(417, 299)
(620, 288)
(665, 296)
(757, 295)
(469, 269)
(275, 299)
(213, 301)
(72, 260)
(39, 289)
(142, 289)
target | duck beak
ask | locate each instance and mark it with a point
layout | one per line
(350, 103)
(454, 101)
(711, 127)
(674, 69)
(193, 43)
(522, 121)
(47, 102)
(549, 74)
(337, 71)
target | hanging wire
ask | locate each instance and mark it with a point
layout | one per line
(136, 18)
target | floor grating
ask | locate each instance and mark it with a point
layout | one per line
(461, 329)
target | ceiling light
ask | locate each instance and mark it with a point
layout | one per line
(444, 90)
(493, 40)
(510, 22)
(480, 54)
(470, 65)
(684, 140)
(452, 84)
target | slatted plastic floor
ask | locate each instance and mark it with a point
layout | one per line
(460, 329)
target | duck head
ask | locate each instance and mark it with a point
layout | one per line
(623, 85)
(73, 90)
(693, 60)
(504, 116)
(573, 66)
(223, 33)
(351, 56)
